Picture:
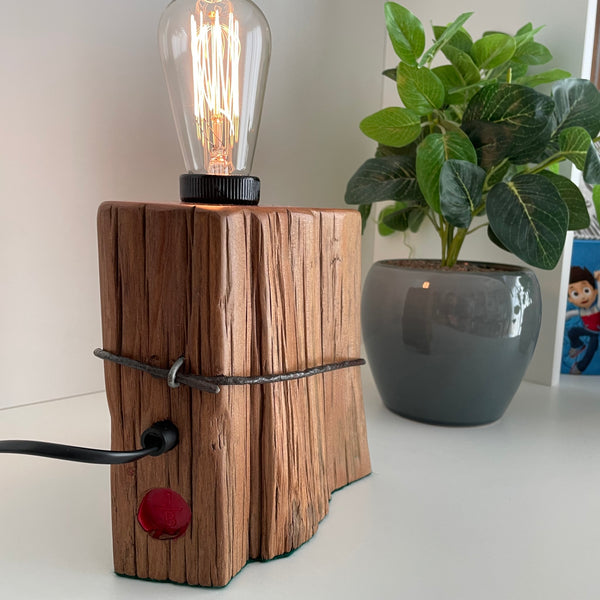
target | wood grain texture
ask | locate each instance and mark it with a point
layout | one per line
(237, 291)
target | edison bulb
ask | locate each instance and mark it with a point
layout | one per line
(215, 55)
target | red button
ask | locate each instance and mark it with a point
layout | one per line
(164, 514)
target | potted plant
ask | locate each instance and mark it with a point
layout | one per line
(475, 144)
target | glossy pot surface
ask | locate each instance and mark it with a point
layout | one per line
(449, 347)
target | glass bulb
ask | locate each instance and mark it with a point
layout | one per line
(215, 55)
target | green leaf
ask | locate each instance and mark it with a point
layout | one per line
(574, 143)
(405, 31)
(419, 89)
(410, 150)
(500, 74)
(432, 152)
(525, 30)
(579, 218)
(494, 238)
(445, 37)
(529, 218)
(518, 70)
(416, 216)
(577, 105)
(493, 50)
(533, 53)
(596, 200)
(461, 185)
(392, 126)
(526, 34)
(460, 39)
(542, 78)
(386, 178)
(505, 120)
(464, 64)
(393, 218)
(402, 216)
(449, 76)
(451, 79)
(391, 73)
(365, 211)
(591, 169)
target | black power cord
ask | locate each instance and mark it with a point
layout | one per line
(156, 440)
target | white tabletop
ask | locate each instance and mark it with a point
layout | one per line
(508, 511)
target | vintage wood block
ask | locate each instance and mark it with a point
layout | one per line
(236, 291)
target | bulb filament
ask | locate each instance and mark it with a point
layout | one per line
(215, 57)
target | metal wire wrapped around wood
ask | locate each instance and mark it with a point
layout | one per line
(213, 384)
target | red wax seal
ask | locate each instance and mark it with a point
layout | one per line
(164, 514)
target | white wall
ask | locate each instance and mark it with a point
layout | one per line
(564, 34)
(85, 118)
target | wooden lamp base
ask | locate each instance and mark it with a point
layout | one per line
(236, 291)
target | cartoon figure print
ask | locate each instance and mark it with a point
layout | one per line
(583, 293)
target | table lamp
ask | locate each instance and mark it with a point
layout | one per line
(237, 324)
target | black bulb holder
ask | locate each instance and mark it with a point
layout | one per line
(241, 190)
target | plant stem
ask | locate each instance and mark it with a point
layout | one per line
(452, 240)
(455, 247)
(547, 163)
(476, 228)
(431, 123)
(431, 217)
(448, 125)
(486, 185)
(442, 232)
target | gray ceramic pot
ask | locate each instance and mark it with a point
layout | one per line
(449, 347)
